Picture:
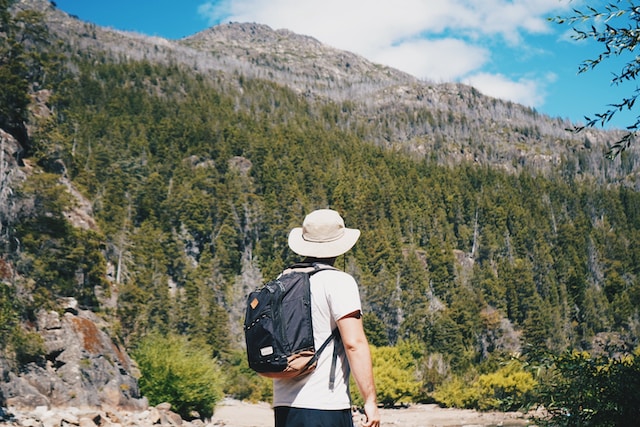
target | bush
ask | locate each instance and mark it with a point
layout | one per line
(180, 372)
(457, 393)
(582, 390)
(394, 372)
(8, 312)
(509, 388)
(245, 384)
(28, 346)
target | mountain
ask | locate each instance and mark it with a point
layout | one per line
(148, 184)
(451, 121)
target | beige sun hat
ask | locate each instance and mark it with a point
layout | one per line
(322, 235)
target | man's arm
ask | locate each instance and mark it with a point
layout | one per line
(359, 355)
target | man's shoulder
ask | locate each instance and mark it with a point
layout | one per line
(323, 269)
(334, 275)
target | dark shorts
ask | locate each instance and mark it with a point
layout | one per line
(300, 417)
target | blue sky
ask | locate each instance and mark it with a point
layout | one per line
(505, 48)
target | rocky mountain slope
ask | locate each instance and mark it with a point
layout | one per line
(451, 121)
(82, 365)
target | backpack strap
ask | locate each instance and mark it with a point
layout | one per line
(334, 360)
(309, 267)
(313, 268)
(334, 334)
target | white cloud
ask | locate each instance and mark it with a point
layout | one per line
(526, 91)
(358, 24)
(440, 40)
(441, 60)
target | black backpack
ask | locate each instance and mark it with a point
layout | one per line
(277, 325)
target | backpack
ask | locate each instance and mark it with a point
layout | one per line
(277, 325)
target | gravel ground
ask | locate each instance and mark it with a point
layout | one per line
(233, 413)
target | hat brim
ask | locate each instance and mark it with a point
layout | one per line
(324, 249)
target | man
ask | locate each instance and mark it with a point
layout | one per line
(315, 400)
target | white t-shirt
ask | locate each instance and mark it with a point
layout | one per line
(334, 294)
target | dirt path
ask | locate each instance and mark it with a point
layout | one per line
(232, 413)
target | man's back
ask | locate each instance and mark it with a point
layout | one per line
(314, 401)
(334, 294)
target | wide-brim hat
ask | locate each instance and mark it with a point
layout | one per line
(322, 235)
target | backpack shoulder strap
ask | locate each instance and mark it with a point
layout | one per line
(335, 334)
(307, 267)
(320, 267)
(312, 268)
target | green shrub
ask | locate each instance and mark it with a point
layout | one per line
(245, 384)
(180, 372)
(582, 390)
(509, 388)
(457, 393)
(8, 312)
(27, 346)
(394, 372)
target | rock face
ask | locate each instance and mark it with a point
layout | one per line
(10, 171)
(83, 367)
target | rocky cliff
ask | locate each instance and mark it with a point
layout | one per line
(79, 363)
(82, 366)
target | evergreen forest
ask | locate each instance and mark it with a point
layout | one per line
(193, 182)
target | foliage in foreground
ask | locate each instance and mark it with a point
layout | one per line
(394, 369)
(180, 372)
(507, 389)
(618, 40)
(583, 390)
(573, 389)
(245, 384)
(401, 378)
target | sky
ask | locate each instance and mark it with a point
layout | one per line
(506, 49)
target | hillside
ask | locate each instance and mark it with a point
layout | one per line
(149, 184)
(452, 122)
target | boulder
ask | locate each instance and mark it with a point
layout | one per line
(83, 367)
